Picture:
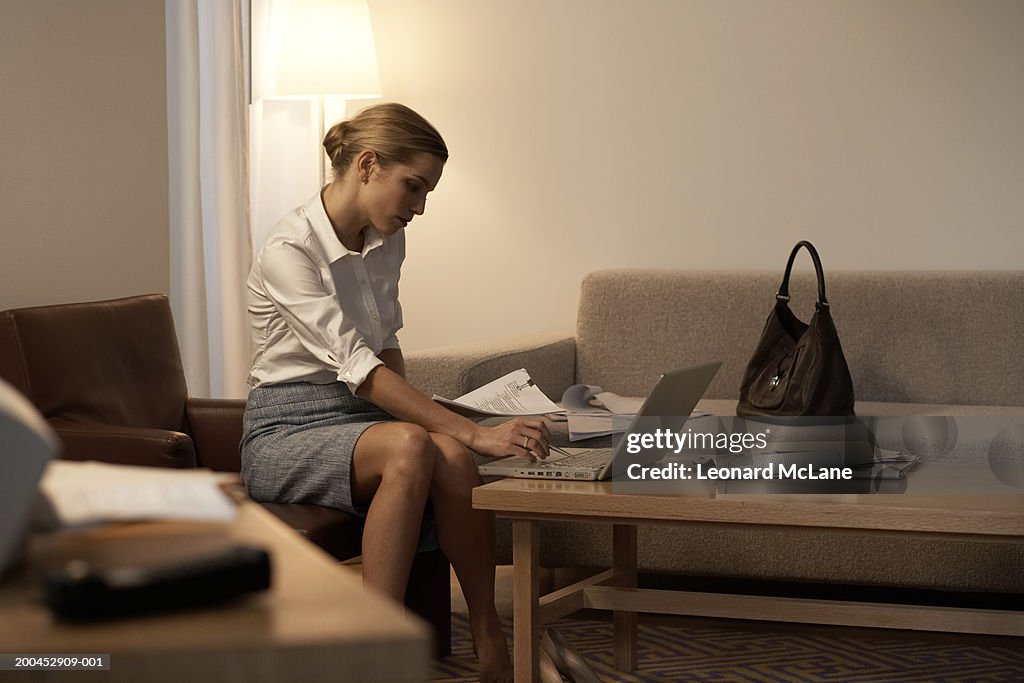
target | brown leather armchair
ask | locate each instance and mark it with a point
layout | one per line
(107, 376)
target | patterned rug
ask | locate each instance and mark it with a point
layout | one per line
(758, 654)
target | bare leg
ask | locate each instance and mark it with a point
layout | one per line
(392, 467)
(467, 538)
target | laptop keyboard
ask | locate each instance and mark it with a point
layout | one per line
(595, 458)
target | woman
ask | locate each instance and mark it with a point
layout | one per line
(330, 418)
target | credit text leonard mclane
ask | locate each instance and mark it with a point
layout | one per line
(665, 439)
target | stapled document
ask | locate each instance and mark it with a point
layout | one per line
(515, 394)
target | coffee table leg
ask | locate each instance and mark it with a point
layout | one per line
(525, 599)
(624, 556)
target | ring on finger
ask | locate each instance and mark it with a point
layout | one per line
(526, 441)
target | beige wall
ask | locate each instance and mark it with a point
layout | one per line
(83, 150)
(585, 134)
(700, 134)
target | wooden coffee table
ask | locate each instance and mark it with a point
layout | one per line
(994, 512)
(315, 623)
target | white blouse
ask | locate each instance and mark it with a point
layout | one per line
(318, 312)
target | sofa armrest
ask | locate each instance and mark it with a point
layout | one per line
(216, 426)
(125, 445)
(452, 371)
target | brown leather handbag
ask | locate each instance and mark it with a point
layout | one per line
(798, 369)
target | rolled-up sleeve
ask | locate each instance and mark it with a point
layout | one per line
(312, 312)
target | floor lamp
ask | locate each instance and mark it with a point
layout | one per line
(320, 51)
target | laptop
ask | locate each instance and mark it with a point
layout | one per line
(26, 444)
(667, 406)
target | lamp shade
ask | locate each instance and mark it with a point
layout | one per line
(322, 47)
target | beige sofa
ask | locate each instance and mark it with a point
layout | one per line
(928, 345)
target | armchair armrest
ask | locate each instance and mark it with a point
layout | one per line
(125, 445)
(452, 371)
(216, 426)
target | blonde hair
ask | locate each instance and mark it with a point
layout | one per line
(394, 132)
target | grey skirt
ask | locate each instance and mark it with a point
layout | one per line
(297, 445)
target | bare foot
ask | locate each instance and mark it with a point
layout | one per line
(492, 652)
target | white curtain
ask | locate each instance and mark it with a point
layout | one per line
(208, 195)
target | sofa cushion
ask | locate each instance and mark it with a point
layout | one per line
(909, 337)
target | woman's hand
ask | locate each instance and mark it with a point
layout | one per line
(527, 439)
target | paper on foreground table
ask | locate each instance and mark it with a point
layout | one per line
(93, 492)
(513, 395)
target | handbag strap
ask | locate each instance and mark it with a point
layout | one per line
(783, 293)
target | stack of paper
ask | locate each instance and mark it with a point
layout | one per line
(93, 492)
(593, 412)
(589, 410)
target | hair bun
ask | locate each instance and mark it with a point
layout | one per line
(334, 141)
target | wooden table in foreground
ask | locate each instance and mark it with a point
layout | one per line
(996, 515)
(315, 623)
